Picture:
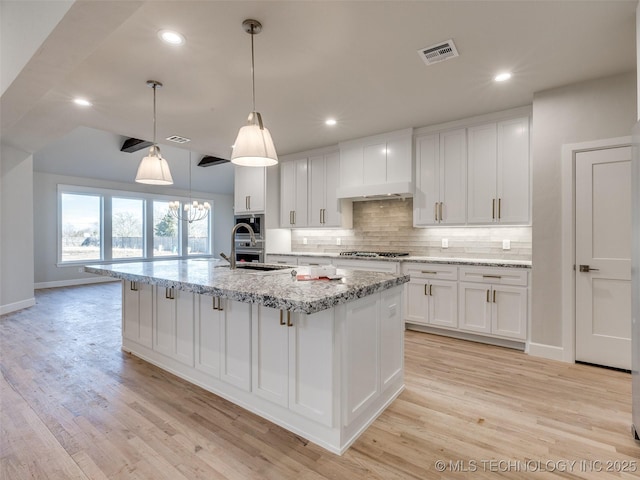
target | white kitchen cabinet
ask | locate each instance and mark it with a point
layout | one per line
(498, 173)
(314, 261)
(250, 189)
(173, 329)
(293, 193)
(292, 359)
(377, 165)
(208, 324)
(441, 176)
(432, 294)
(367, 265)
(325, 209)
(235, 345)
(137, 312)
(282, 259)
(494, 301)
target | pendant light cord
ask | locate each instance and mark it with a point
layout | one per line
(154, 116)
(253, 76)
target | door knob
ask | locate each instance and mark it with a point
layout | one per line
(587, 269)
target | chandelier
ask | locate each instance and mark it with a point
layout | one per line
(193, 211)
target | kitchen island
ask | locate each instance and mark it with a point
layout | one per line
(320, 358)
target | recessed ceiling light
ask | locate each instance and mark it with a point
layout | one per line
(330, 121)
(171, 37)
(82, 102)
(502, 77)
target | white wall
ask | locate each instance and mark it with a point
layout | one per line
(591, 110)
(16, 229)
(45, 202)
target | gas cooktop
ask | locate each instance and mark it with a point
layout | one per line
(359, 253)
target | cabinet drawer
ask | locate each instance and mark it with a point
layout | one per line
(313, 261)
(430, 271)
(495, 276)
(282, 259)
(367, 265)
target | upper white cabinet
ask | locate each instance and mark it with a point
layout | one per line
(250, 187)
(378, 165)
(498, 173)
(293, 193)
(441, 178)
(325, 209)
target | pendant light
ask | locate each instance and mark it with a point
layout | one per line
(253, 146)
(153, 169)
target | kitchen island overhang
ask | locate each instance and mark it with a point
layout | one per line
(320, 358)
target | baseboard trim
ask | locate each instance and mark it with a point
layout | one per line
(14, 307)
(73, 282)
(550, 352)
(499, 342)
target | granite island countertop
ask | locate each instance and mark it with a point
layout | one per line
(478, 262)
(276, 289)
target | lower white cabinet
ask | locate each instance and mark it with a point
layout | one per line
(173, 324)
(367, 265)
(208, 331)
(432, 294)
(235, 343)
(137, 312)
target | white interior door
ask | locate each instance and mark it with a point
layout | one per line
(603, 257)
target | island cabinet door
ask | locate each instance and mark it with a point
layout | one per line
(391, 336)
(207, 334)
(235, 345)
(270, 371)
(311, 365)
(174, 324)
(137, 312)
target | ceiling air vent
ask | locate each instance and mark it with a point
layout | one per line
(178, 139)
(438, 52)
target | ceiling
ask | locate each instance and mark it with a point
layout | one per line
(354, 61)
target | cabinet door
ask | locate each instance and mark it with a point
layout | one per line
(300, 216)
(351, 166)
(270, 373)
(207, 335)
(474, 308)
(391, 336)
(481, 174)
(287, 193)
(250, 189)
(375, 164)
(174, 324)
(453, 176)
(317, 190)
(443, 303)
(332, 215)
(509, 317)
(417, 291)
(427, 195)
(399, 163)
(137, 312)
(235, 346)
(513, 171)
(311, 364)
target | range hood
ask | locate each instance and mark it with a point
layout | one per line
(376, 192)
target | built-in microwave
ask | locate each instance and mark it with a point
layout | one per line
(255, 221)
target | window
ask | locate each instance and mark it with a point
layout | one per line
(81, 227)
(165, 231)
(100, 225)
(127, 221)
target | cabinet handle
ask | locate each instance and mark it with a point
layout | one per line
(494, 296)
(213, 303)
(281, 317)
(168, 293)
(440, 211)
(314, 264)
(435, 207)
(499, 208)
(246, 202)
(491, 276)
(425, 289)
(493, 208)
(133, 286)
(289, 324)
(428, 272)
(294, 217)
(431, 290)
(488, 301)
(219, 303)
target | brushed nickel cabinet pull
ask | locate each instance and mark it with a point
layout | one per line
(435, 207)
(220, 304)
(281, 317)
(440, 211)
(133, 286)
(494, 296)
(168, 293)
(488, 301)
(499, 208)
(493, 208)
(491, 276)
(428, 272)
(294, 217)
(425, 289)
(247, 203)
(289, 324)
(213, 303)
(431, 290)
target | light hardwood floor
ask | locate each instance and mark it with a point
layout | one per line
(74, 406)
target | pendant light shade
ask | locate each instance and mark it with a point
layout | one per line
(153, 169)
(254, 146)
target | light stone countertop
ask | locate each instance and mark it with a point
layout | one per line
(276, 289)
(478, 262)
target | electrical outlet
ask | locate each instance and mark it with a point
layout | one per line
(304, 240)
(445, 243)
(338, 241)
(506, 244)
